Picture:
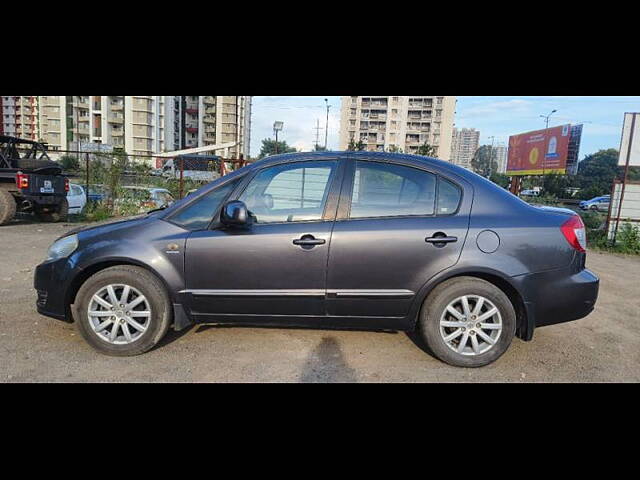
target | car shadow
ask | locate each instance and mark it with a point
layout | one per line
(326, 364)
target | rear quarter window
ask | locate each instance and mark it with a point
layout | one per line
(449, 196)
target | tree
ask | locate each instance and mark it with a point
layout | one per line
(269, 148)
(353, 146)
(500, 179)
(319, 148)
(69, 162)
(480, 161)
(394, 149)
(426, 150)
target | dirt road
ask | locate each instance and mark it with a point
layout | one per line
(604, 347)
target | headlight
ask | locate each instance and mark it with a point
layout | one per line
(62, 248)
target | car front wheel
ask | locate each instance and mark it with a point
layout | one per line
(122, 310)
(467, 322)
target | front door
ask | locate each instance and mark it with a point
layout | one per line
(276, 267)
(397, 226)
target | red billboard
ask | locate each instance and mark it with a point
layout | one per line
(539, 152)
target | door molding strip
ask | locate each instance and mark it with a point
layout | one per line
(301, 292)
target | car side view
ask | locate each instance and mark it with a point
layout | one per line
(355, 240)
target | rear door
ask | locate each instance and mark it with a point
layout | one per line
(397, 226)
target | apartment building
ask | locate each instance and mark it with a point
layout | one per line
(391, 123)
(198, 121)
(144, 125)
(19, 117)
(500, 156)
(464, 144)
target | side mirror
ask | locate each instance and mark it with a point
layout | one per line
(235, 214)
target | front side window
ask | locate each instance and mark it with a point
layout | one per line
(290, 192)
(199, 214)
(383, 190)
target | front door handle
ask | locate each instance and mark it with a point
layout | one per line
(440, 239)
(309, 240)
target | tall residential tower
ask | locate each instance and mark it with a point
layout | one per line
(391, 123)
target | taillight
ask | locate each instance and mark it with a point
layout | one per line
(574, 231)
(66, 184)
(22, 180)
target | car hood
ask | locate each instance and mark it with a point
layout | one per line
(107, 224)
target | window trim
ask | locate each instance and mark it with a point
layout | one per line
(333, 194)
(344, 208)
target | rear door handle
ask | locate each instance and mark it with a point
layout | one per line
(307, 240)
(439, 239)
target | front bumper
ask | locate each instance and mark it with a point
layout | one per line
(51, 281)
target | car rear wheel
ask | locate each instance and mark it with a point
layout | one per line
(122, 311)
(467, 322)
(7, 207)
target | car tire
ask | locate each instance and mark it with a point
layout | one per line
(58, 216)
(478, 352)
(139, 281)
(7, 207)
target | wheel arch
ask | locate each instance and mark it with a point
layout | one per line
(524, 324)
(103, 264)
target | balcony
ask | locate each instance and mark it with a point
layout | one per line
(114, 119)
(117, 107)
(117, 133)
(210, 110)
(209, 119)
(192, 129)
(191, 110)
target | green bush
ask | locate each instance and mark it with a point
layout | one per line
(628, 239)
(592, 220)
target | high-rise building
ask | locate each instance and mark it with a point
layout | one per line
(464, 144)
(500, 156)
(393, 123)
(144, 125)
(19, 117)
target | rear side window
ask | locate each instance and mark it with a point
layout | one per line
(448, 197)
(199, 214)
(384, 190)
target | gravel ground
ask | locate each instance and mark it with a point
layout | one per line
(604, 347)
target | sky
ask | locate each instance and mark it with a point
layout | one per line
(493, 116)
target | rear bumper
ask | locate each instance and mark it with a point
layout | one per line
(558, 296)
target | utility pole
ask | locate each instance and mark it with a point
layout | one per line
(326, 128)
(317, 129)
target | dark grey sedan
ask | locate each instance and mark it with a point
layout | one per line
(329, 240)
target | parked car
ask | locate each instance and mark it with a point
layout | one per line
(98, 193)
(529, 193)
(76, 198)
(147, 197)
(600, 204)
(358, 240)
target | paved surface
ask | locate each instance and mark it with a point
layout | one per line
(604, 347)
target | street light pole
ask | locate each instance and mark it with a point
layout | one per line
(277, 126)
(326, 127)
